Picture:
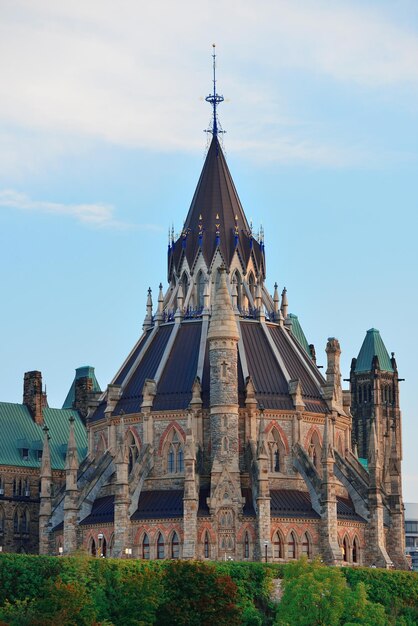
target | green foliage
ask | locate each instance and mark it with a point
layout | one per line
(314, 594)
(82, 591)
(196, 593)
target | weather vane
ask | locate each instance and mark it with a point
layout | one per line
(214, 99)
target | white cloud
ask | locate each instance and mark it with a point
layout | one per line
(94, 215)
(130, 73)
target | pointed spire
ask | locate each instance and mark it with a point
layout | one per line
(285, 304)
(214, 99)
(71, 461)
(46, 471)
(276, 300)
(160, 310)
(148, 317)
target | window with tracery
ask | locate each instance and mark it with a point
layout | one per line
(345, 549)
(277, 546)
(175, 546)
(246, 546)
(145, 547)
(291, 546)
(355, 550)
(206, 545)
(160, 546)
(315, 450)
(200, 289)
(175, 454)
(133, 452)
(306, 546)
(276, 451)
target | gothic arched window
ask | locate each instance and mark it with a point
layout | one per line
(175, 546)
(251, 286)
(246, 546)
(277, 546)
(291, 546)
(2, 518)
(200, 289)
(238, 282)
(356, 551)
(315, 450)
(345, 549)
(25, 522)
(306, 546)
(206, 545)
(160, 546)
(145, 547)
(92, 548)
(276, 451)
(133, 452)
(16, 522)
(184, 285)
(175, 454)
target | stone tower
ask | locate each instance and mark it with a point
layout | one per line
(71, 493)
(225, 502)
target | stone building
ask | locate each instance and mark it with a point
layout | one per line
(219, 437)
(33, 446)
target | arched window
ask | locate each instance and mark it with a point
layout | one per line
(15, 487)
(277, 546)
(1, 520)
(206, 545)
(175, 547)
(345, 549)
(225, 444)
(133, 451)
(251, 286)
(306, 546)
(200, 289)
(315, 450)
(238, 282)
(145, 547)
(184, 285)
(160, 546)
(25, 522)
(291, 546)
(16, 522)
(175, 454)
(276, 451)
(246, 546)
(356, 551)
(104, 547)
(92, 548)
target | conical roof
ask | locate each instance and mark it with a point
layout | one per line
(373, 346)
(216, 219)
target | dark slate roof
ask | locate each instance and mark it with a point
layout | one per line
(18, 430)
(102, 512)
(345, 510)
(291, 503)
(269, 381)
(215, 195)
(175, 386)
(373, 346)
(81, 372)
(159, 504)
(120, 377)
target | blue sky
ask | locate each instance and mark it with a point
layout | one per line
(101, 146)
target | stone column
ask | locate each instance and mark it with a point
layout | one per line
(45, 506)
(71, 493)
(328, 525)
(191, 496)
(122, 522)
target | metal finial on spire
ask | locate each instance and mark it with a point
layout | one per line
(214, 99)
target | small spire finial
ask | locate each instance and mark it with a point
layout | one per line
(214, 99)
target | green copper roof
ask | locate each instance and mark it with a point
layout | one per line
(298, 333)
(373, 346)
(19, 431)
(81, 372)
(364, 463)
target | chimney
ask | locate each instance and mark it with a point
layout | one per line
(33, 396)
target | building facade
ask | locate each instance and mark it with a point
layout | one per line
(33, 448)
(411, 533)
(218, 437)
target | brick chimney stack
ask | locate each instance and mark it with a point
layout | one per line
(82, 393)
(33, 396)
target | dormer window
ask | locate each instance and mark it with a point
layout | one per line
(25, 454)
